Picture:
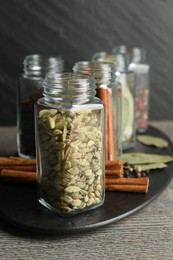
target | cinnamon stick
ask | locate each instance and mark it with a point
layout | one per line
(115, 173)
(16, 169)
(16, 161)
(110, 149)
(114, 168)
(18, 176)
(114, 163)
(27, 168)
(139, 185)
(127, 188)
(128, 181)
(112, 137)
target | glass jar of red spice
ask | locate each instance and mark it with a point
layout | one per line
(29, 89)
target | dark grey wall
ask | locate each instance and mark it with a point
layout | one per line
(75, 29)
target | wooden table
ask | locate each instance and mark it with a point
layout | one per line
(147, 234)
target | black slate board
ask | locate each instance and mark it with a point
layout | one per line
(19, 205)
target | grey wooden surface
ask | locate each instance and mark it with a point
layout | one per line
(75, 30)
(147, 234)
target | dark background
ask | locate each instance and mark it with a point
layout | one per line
(75, 29)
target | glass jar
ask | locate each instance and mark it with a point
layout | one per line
(141, 69)
(127, 81)
(104, 57)
(29, 89)
(70, 144)
(110, 93)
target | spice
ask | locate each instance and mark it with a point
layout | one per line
(147, 159)
(127, 184)
(141, 69)
(27, 168)
(127, 117)
(153, 141)
(112, 183)
(18, 176)
(114, 168)
(70, 141)
(16, 161)
(127, 79)
(27, 128)
(108, 90)
(110, 147)
(29, 89)
(70, 144)
(141, 108)
(132, 171)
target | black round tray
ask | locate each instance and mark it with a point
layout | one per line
(20, 207)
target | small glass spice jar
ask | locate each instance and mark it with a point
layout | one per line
(109, 91)
(141, 69)
(70, 144)
(29, 89)
(126, 78)
(104, 57)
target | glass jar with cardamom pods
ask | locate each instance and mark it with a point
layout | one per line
(109, 91)
(70, 142)
(29, 89)
(126, 78)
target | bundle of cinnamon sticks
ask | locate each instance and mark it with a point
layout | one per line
(115, 181)
(16, 169)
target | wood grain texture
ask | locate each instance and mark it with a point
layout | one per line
(147, 234)
(75, 30)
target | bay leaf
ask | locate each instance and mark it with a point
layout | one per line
(145, 158)
(152, 166)
(152, 140)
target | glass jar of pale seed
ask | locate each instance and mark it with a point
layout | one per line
(70, 144)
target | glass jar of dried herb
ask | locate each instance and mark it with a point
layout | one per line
(29, 89)
(109, 91)
(126, 77)
(70, 144)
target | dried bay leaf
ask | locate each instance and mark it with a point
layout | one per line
(152, 166)
(146, 158)
(152, 140)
